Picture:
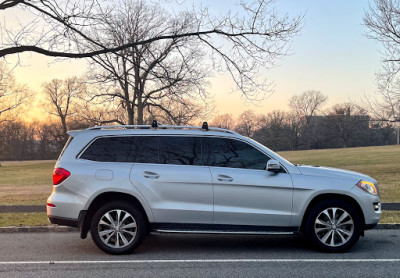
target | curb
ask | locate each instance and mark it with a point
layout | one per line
(38, 229)
(388, 226)
(65, 229)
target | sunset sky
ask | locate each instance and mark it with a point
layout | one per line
(330, 55)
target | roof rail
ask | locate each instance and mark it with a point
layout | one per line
(105, 127)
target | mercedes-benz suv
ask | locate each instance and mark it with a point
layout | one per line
(123, 182)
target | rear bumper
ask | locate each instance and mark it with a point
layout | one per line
(76, 223)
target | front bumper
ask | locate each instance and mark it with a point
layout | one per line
(370, 206)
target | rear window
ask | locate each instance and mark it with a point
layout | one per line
(180, 150)
(110, 149)
(177, 150)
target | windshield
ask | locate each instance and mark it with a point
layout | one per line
(273, 154)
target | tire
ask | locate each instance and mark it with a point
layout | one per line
(118, 227)
(333, 225)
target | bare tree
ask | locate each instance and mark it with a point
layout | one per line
(12, 94)
(16, 141)
(179, 113)
(241, 43)
(382, 20)
(274, 131)
(152, 76)
(305, 106)
(247, 123)
(346, 121)
(223, 121)
(61, 97)
(100, 113)
(295, 125)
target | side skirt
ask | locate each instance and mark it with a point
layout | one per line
(222, 229)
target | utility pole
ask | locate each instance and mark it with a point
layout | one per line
(396, 122)
(398, 134)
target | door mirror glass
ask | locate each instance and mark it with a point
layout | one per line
(273, 166)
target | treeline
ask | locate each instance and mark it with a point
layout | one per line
(343, 125)
(31, 141)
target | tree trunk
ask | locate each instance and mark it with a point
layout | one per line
(64, 127)
(140, 108)
(129, 110)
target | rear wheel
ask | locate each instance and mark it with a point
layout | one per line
(118, 227)
(333, 225)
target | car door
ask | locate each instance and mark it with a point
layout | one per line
(244, 192)
(169, 172)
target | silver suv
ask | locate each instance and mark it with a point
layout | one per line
(123, 182)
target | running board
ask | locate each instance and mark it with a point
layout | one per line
(191, 228)
(222, 232)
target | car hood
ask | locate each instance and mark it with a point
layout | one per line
(319, 171)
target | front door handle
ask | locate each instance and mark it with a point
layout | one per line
(150, 175)
(224, 178)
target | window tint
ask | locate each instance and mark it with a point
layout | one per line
(180, 150)
(146, 150)
(235, 154)
(110, 149)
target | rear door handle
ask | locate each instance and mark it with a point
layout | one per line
(224, 178)
(150, 175)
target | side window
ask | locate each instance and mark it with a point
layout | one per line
(180, 150)
(110, 149)
(146, 150)
(235, 154)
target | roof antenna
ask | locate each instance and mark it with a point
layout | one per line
(154, 124)
(204, 126)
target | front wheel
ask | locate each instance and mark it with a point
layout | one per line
(333, 225)
(118, 227)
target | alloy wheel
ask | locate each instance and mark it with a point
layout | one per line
(117, 228)
(334, 227)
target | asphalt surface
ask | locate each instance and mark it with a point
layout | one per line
(42, 208)
(173, 255)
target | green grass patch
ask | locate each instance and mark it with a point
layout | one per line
(23, 219)
(25, 182)
(32, 173)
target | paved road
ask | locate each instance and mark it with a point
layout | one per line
(65, 255)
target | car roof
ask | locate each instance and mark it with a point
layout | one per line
(148, 130)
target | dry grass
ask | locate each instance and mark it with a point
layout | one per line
(390, 217)
(23, 219)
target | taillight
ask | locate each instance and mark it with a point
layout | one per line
(60, 175)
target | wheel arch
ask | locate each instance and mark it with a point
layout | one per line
(103, 198)
(329, 196)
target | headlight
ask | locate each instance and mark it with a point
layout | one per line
(368, 187)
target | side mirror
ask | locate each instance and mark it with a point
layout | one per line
(273, 166)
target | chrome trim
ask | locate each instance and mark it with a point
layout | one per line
(222, 232)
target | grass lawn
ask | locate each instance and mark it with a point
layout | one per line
(23, 219)
(30, 182)
(25, 183)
